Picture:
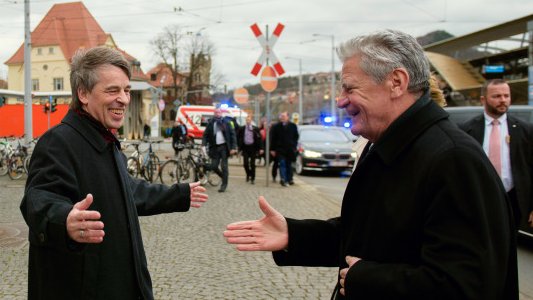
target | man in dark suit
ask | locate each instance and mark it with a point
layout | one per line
(219, 139)
(512, 149)
(284, 137)
(251, 146)
(423, 216)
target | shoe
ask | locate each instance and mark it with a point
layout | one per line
(221, 190)
(247, 178)
(291, 182)
(252, 181)
(283, 183)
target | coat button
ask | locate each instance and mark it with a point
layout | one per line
(41, 237)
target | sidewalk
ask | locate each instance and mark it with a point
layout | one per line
(187, 254)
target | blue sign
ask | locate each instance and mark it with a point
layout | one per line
(493, 69)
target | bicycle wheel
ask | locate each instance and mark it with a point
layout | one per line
(132, 164)
(186, 172)
(27, 164)
(3, 165)
(151, 168)
(213, 178)
(15, 168)
(168, 174)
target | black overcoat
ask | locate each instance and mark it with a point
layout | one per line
(426, 213)
(70, 161)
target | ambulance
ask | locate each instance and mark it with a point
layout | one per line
(196, 117)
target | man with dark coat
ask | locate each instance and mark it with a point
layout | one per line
(424, 215)
(251, 146)
(179, 136)
(284, 137)
(220, 141)
(514, 151)
(80, 203)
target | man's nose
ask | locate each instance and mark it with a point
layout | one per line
(342, 102)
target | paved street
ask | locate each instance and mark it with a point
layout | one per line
(187, 255)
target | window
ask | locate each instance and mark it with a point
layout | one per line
(153, 77)
(51, 50)
(35, 84)
(39, 51)
(58, 84)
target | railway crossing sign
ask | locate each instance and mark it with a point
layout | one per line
(267, 52)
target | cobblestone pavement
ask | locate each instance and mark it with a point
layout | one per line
(187, 254)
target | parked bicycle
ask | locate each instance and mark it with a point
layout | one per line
(146, 165)
(19, 162)
(6, 151)
(190, 165)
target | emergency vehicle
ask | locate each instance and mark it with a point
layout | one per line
(196, 117)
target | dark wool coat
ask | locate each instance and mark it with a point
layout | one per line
(209, 137)
(258, 143)
(521, 153)
(284, 140)
(70, 161)
(426, 213)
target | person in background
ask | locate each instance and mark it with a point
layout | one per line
(219, 139)
(284, 138)
(250, 144)
(508, 142)
(424, 215)
(81, 205)
(179, 136)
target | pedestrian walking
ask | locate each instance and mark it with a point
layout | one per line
(250, 145)
(220, 141)
(284, 137)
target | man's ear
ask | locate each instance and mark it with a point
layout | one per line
(399, 81)
(83, 96)
(482, 99)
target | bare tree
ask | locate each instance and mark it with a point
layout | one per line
(166, 47)
(199, 50)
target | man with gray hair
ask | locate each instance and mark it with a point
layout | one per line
(423, 215)
(80, 203)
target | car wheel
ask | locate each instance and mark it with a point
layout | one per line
(299, 166)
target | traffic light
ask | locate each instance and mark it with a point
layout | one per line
(2, 101)
(46, 107)
(54, 104)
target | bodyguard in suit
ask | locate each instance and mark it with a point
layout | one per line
(508, 142)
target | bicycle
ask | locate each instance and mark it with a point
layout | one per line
(188, 168)
(6, 151)
(19, 161)
(144, 165)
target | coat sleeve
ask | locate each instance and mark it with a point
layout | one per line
(51, 192)
(312, 243)
(466, 211)
(151, 199)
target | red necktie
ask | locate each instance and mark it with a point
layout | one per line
(495, 147)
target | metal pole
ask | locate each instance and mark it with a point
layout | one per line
(300, 93)
(28, 103)
(530, 67)
(333, 111)
(267, 127)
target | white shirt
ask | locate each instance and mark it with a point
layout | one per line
(507, 176)
(219, 136)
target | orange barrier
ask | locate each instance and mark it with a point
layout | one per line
(12, 119)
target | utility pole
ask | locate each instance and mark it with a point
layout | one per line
(28, 102)
(332, 94)
(300, 88)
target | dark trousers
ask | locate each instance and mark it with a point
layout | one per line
(515, 206)
(220, 157)
(248, 155)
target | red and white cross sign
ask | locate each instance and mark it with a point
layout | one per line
(267, 49)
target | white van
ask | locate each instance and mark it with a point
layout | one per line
(196, 117)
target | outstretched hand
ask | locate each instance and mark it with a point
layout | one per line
(270, 233)
(198, 195)
(84, 226)
(350, 260)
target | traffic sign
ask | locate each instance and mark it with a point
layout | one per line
(240, 95)
(269, 80)
(267, 52)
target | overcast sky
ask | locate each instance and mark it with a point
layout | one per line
(134, 23)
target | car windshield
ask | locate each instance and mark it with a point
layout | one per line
(323, 136)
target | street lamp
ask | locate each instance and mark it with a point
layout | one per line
(300, 87)
(332, 100)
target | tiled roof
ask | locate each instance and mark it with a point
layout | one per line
(71, 26)
(160, 70)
